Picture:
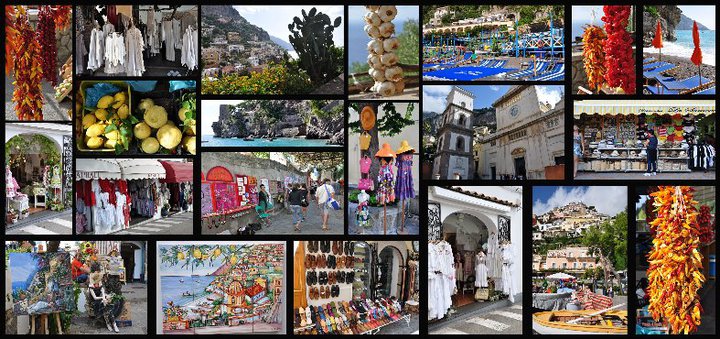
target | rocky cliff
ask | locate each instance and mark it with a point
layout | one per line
(227, 19)
(279, 118)
(669, 17)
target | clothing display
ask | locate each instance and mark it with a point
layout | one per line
(80, 48)
(96, 55)
(404, 182)
(702, 156)
(114, 53)
(189, 49)
(385, 190)
(169, 39)
(362, 214)
(145, 196)
(153, 40)
(481, 271)
(441, 279)
(507, 278)
(134, 47)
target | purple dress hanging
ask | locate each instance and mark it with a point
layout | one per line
(404, 181)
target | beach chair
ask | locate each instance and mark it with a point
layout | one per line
(684, 86)
(499, 64)
(556, 73)
(707, 91)
(657, 72)
(539, 68)
(654, 65)
(648, 60)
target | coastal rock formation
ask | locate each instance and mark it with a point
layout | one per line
(277, 118)
(669, 17)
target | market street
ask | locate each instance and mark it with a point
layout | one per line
(282, 222)
(180, 223)
(504, 320)
(54, 223)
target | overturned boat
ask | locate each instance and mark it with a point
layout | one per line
(580, 322)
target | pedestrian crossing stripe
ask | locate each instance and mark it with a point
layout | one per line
(448, 330)
(512, 315)
(61, 222)
(516, 307)
(489, 323)
(32, 229)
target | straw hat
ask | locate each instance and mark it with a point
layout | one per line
(385, 152)
(367, 118)
(405, 147)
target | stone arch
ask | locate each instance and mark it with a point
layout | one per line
(490, 222)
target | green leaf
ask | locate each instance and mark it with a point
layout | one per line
(110, 128)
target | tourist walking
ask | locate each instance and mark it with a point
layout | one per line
(651, 144)
(295, 199)
(305, 201)
(324, 194)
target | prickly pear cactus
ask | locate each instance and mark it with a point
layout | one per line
(312, 39)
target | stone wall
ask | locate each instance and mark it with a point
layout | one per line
(248, 165)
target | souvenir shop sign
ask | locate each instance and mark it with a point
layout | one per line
(237, 287)
(434, 222)
(67, 177)
(692, 107)
(503, 228)
(41, 283)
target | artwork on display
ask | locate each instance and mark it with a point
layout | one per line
(41, 283)
(221, 287)
(206, 205)
(503, 228)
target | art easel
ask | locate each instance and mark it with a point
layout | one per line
(45, 323)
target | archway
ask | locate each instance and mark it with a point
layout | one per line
(133, 256)
(31, 158)
(390, 268)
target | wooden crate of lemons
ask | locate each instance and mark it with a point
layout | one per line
(112, 126)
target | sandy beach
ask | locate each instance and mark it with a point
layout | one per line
(685, 68)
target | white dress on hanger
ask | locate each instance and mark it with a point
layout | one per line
(169, 39)
(494, 261)
(189, 51)
(152, 38)
(114, 53)
(120, 202)
(441, 279)
(481, 271)
(134, 45)
(97, 49)
(507, 282)
(177, 33)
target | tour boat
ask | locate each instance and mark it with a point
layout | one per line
(580, 322)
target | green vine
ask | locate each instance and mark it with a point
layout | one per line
(19, 145)
(392, 122)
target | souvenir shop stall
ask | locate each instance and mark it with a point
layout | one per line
(137, 40)
(356, 287)
(38, 62)
(383, 197)
(113, 194)
(227, 198)
(178, 183)
(613, 134)
(38, 160)
(472, 253)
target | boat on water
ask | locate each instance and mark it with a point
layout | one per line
(580, 322)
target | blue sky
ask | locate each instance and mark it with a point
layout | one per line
(275, 19)
(22, 266)
(702, 14)
(606, 199)
(485, 95)
(357, 13)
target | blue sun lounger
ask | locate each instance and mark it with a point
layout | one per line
(539, 67)
(557, 73)
(653, 65)
(648, 60)
(657, 72)
(707, 91)
(673, 86)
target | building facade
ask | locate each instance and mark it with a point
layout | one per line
(529, 136)
(455, 159)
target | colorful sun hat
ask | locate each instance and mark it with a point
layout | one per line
(405, 147)
(367, 118)
(385, 152)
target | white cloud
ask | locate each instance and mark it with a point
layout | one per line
(609, 200)
(551, 94)
(494, 88)
(434, 98)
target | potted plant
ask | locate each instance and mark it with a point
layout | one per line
(25, 213)
(12, 216)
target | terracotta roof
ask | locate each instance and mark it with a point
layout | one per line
(254, 290)
(482, 196)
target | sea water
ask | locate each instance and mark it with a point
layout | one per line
(172, 288)
(683, 46)
(212, 141)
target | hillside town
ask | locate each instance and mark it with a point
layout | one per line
(568, 221)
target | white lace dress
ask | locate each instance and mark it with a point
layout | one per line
(97, 49)
(441, 279)
(481, 271)
(507, 278)
(134, 45)
(120, 202)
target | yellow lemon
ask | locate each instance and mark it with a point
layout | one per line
(150, 145)
(190, 126)
(95, 142)
(88, 120)
(110, 143)
(217, 252)
(169, 136)
(156, 116)
(182, 113)
(197, 254)
(146, 103)
(105, 101)
(141, 130)
(113, 135)
(120, 97)
(101, 114)
(233, 260)
(95, 130)
(188, 144)
(181, 256)
(123, 112)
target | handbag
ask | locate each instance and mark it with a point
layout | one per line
(364, 141)
(366, 184)
(482, 294)
(332, 202)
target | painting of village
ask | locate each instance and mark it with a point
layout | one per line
(221, 287)
(41, 283)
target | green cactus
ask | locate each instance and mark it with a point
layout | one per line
(312, 39)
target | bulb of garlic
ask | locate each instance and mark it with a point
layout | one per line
(382, 59)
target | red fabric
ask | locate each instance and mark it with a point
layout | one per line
(109, 187)
(657, 40)
(112, 15)
(83, 190)
(697, 53)
(593, 301)
(76, 268)
(123, 188)
(176, 172)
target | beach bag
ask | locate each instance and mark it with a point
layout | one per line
(334, 204)
(366, 184)
(365, 141)
(482, 293)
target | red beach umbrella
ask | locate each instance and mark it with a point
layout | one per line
(657, 40)
(697, 53)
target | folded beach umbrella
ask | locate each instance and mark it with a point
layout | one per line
(657, 40)
(697, 53)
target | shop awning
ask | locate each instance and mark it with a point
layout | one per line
(134, 169)
(661, 107)
(176, 171)
(88, 169)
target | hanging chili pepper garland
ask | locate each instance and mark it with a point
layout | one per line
(25, 51)
(675, 267)
(706, 225)
(594, 56)
(46, 36)
(619, 60)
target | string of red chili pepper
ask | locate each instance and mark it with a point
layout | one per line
(25, 51)
(48, 52)
(619, 60)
